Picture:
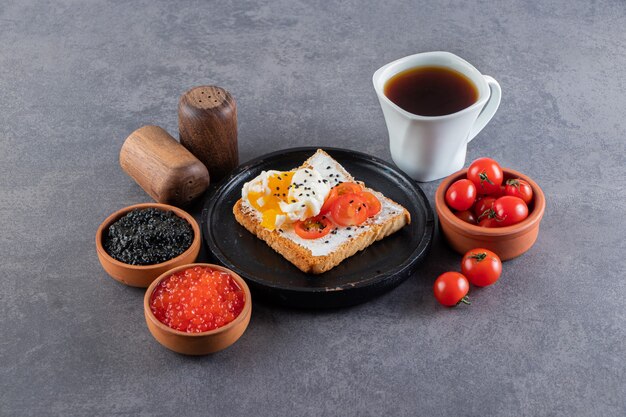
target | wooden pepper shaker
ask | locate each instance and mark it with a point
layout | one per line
(207, 123)
(163, 167)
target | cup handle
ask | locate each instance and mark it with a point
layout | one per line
(489, 109)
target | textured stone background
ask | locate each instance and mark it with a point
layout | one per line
(76, 77)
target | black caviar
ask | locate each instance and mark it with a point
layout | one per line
(147, 237)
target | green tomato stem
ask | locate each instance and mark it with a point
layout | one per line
(465, 300)
(479, 256)
(484, 177)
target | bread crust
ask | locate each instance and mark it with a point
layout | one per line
(302, 257)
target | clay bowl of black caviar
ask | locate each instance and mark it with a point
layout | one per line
(140, 242)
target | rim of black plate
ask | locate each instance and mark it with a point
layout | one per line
(406, 267)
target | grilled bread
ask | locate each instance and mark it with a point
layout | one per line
(319, 255)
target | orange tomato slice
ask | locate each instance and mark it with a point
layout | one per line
(337, 191)
(313, 227)
(372, 203)
(349, 210)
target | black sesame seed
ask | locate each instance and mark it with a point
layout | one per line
(348, 228)
(325, 241)
(351, 201)
(277, 188)
(331, 175)
(328, 167)
(313, 192)
(304, 180)
(304, 205)
(325, 180)
(349, 236)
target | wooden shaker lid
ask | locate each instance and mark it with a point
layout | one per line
(207, 123)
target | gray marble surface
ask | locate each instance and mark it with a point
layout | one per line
(76, 77)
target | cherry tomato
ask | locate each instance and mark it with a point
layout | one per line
(466, 215)
(451, 288)
(481, 266)
(337, 191)
(482, 207)
(371, 202)
(461, 195)
(509, 210)
(519, 188)
(499, 193)
(349, 210)
(486, 175)
(313, 227)
(488, 222)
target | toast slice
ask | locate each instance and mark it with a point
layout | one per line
(316, 256)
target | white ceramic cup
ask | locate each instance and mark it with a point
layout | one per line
(432, 147)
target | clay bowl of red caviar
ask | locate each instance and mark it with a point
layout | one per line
(507, 242)
(143, 275)
(198, 309)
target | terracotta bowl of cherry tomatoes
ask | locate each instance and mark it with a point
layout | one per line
(487, 206)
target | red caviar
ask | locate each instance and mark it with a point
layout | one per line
(197, 299)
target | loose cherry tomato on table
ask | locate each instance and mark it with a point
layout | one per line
(509, 210)
(349, 210)
(461, 195)
(371, 202)
(313, 228)
(482, 207)
(337, 191)
(451, 288)
(486, 175)
(519, 188)
(481, 266)
(466, 215)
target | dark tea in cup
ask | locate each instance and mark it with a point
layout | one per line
(431, 91)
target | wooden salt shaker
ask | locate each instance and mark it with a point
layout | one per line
(163, 167)
(207, 123)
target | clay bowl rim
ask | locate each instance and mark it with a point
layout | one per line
(247, 306)
(535, 216)
(121, 212)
